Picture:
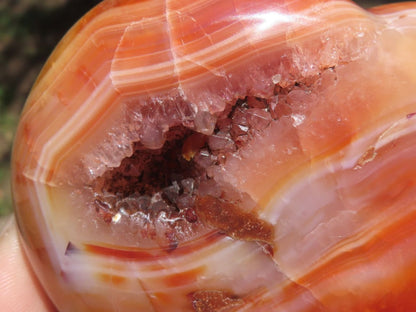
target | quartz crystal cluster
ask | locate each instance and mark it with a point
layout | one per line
(224, 155)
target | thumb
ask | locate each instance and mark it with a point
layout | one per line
(20, 291)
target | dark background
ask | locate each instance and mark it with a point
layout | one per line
(29, 30)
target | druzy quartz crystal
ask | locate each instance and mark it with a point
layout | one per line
(224, 155)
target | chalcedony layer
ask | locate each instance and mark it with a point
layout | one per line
(284, 133)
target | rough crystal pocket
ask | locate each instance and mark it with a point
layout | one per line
(224, 155)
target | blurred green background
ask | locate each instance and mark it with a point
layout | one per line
(29, 30)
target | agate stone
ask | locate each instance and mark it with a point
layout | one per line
(224, 155)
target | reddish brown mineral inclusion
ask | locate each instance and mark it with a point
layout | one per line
(215, 300)
(235, 223)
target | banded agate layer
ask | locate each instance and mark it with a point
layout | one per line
(224, 156)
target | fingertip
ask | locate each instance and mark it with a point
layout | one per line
(20, 291)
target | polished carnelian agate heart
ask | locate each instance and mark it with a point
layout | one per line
(224, 155)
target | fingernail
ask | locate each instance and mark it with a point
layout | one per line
(5, 224)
